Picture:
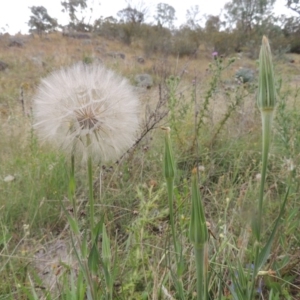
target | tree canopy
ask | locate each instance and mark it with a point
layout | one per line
(40, 20)
(165, 14)
(245, 13)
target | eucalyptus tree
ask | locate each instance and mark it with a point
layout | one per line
(193, 17)
(40, 21)
(293, 5)
(75, 8)
(245, 14)
(131, 15)
(165, 15)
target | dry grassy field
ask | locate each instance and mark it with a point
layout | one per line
(215, 126)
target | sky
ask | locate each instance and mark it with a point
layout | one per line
(15, 14)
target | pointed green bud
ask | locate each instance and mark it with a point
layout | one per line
(169, 165)
(266, 85)
(198, 228)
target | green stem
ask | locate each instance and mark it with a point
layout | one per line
(201, 266)
(170, 184)
(178, 281)
(72, 185)
(91, 191)
(267, 117)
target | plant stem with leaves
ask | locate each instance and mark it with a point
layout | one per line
(198, 234)
(169, 173)
(266, 102)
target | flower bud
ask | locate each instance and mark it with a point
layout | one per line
(266, 85)
(169, 165)
(198, 227)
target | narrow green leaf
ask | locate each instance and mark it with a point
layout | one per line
(97, 230)
(265, 252)
(84, 245)
(106, 253)
(180, 264)
(94, 256)
(73, 224)
(93, 260)
(81, 287)
(198, 233)
(72, 187)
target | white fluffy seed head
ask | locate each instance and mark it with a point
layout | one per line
(88, 110)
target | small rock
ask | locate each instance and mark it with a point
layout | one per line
(14, 42)
(140, 60)
(116, 54)
(245, 75)
(121, 55)
(3, 65)
(144, 80)
(9, 178)
(37, 61)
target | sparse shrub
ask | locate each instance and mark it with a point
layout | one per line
(223, 42)
(127, 31)
(158, 40)
(124, 32)
(107, 27)
(295, 46)
(185, 42)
